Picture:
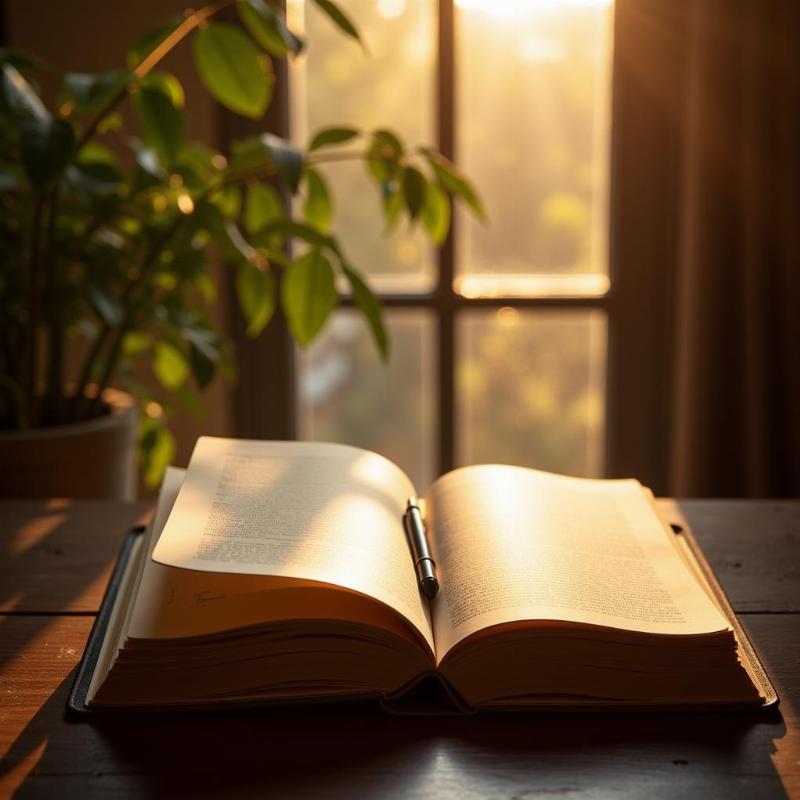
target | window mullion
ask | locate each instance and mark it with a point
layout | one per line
(445, 297)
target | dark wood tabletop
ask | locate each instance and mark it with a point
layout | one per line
(56, 559)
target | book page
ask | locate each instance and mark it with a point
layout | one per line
(319, 512)
(515, 544)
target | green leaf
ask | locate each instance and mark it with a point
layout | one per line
(203, 368)
(197, 164)
(166, 83)
(268, 28)
(308, 295)
(436, 213)
(111, 122)
(170, 365)
(456, 183)
(413, 191)
(136, 343)
(289, 228)
(383, 155)
(255, 289)
(148, 42)
(94, 152)
(18, 59)
(329, 136)
(381, 169)
(263, 205)
(162, 123)
(247, 155)
(90, 92)
(200, 337)
(94, 177)
(392, 206)
(388, 140)
(47, 146)
(318, 206)
(210, 220)
(233, 70)
(267, 150)
(157, 446)
(370, 308)
(288, 160)
(188, 399)
(194, 176)
(206, 286)
(228, 201)
(19, 96)
(339, 18)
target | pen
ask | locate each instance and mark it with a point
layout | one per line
(423, 562)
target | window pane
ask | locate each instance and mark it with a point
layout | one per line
(346, 395)
(532, 131)
(531, 389)
(337, 83)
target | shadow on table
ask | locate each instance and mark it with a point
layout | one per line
(359, 751)
(56, 556)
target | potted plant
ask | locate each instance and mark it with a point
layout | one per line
(109, 237)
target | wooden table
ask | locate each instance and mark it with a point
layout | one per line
(57, 557)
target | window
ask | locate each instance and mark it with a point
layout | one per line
(499, 338)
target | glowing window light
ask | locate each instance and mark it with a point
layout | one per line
(519, 8)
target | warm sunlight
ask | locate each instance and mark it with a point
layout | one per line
(531, 125)
(532, 285)
(519, 8)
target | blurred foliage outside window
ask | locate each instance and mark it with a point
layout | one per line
(533, 109)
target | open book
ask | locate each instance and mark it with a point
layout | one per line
(277, 571)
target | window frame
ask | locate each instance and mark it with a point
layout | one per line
(638, 306)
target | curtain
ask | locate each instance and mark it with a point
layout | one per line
(704, 370)
(736, 355)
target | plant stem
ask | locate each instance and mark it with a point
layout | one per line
(33, 309)
(127, 294)
(192, 21)
(343, 155)
(76, 406)
(266, 171)
(111, 365)
(128, 299)
(89, 363)
(101, 218)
